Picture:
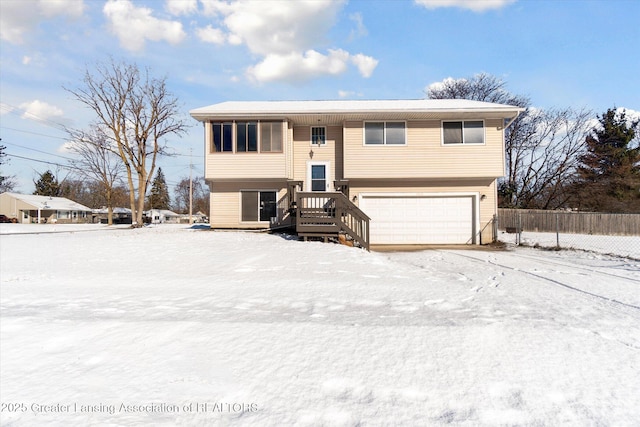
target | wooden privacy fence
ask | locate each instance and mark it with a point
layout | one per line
(569, 222)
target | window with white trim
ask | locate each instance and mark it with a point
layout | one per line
(318, 135)
(463, 132)
(385, 133)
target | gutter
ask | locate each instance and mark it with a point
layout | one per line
(512, 120)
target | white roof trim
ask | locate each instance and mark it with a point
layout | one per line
(285, 108)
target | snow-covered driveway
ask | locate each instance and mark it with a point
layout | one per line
(168, 326)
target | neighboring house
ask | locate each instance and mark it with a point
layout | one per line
(381, 172)
(120, 215)
(197, 217)
(29, 208)
(162, 216)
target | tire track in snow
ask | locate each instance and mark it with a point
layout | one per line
(578, 267)
(548, 279)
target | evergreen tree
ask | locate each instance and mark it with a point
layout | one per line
(47, 185)
(7, 183)
(159, 196)
(610, 169)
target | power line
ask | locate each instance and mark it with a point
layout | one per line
(43, 161)
(28, 115)
(39, 151)
(33, 133)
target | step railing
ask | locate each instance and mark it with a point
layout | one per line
(331, 213)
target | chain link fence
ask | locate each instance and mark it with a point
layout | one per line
(615, 234)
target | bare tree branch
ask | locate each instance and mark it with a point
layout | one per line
(136, 113)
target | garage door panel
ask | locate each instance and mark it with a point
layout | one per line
(402, 219)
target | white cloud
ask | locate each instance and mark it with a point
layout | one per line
(181, 7)
(20, 17)
(5, 108)
(134, 25)
(366, 64)
(281, 27)
(630, 114)
(360, 30)
(297, 67)
(440, 85)
(40, 111)
(215, 7)
(286, 34)
(36, 59)
(349, 94)
(474, 5)
(211, 35)
(71, 8)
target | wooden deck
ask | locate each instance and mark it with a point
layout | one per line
(331, 215)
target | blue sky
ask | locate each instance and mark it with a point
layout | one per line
(560, 53)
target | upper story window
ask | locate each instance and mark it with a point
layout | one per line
(245, 137)
(318, 135)
(222, 137)
(271, 137)
(463, 132)
(384, 133)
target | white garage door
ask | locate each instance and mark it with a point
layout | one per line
(401, 219)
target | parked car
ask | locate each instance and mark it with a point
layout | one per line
(4, 218)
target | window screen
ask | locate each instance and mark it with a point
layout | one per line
(394, 133)
(374, 133)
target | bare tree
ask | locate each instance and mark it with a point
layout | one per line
(542, 156)
(97, 160)
(480, 87)
(136, 113)
(200, 195)
(541, 148)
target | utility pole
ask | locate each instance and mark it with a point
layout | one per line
(190, 186)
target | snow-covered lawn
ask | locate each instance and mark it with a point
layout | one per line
(170, 326)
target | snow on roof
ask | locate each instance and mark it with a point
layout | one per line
(115, 211)
(164, 212)
(50, 203)
(352, 106)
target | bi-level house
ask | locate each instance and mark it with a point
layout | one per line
(378, 172)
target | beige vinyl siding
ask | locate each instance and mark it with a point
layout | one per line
(330, 152)
(423, 156)
(246, 165)
(226, 202)
(488, 207)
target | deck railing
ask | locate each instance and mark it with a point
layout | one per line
(283, 214)
(331, 213)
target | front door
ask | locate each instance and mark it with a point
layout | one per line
(318, 176)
